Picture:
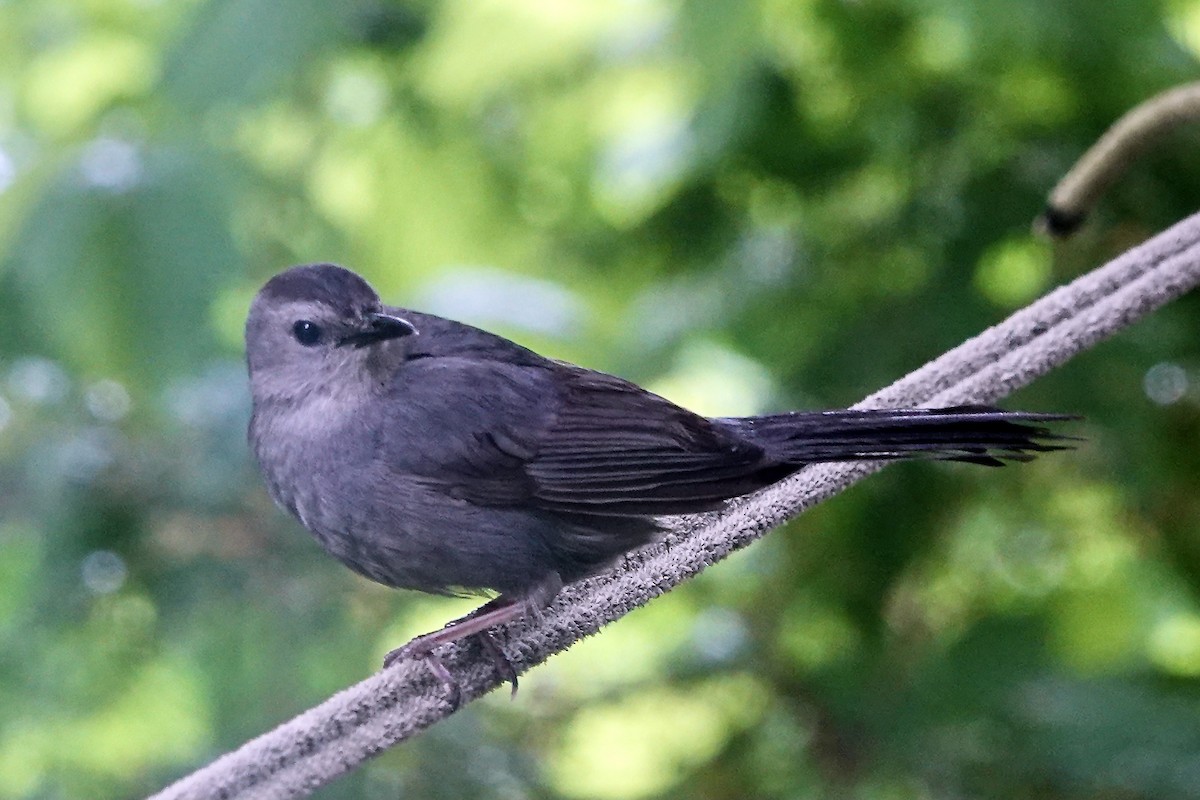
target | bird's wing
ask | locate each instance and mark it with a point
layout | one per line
(560, 438)
(614, 448)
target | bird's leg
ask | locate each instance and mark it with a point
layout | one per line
(497, 611)
(499, 660)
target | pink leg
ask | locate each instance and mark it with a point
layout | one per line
(499, 611)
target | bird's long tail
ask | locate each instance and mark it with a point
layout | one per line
(975, 434)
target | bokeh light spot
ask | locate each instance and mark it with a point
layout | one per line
(38, 380)
(1183, 21)
(8, 170)
(1165, 383)
(1013, 272)
(103, 571)
(356, 96)
(108, 401)
(715, 381)
(1174, 645)
(647, 742)
(485, 296)
(112, 164)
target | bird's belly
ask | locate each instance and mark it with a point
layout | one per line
(405, 534)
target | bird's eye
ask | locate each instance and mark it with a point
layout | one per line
(307, 333)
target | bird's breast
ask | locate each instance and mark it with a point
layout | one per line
(295, 448)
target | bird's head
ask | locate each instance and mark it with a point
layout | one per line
(321, 331)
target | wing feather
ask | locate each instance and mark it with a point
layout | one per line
(563, 439)
(617, 449)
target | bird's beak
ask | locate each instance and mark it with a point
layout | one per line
(380, 328)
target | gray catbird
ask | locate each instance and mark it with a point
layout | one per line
(427, 454)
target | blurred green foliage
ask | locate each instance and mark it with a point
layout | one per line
(746, 205)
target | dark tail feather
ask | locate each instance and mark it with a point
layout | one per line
(975, 434)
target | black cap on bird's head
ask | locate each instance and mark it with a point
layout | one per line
(342, 291)
(323, 283)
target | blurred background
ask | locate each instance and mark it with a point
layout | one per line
(745, 205)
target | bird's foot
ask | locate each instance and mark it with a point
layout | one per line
(495, 612)
(416, 649)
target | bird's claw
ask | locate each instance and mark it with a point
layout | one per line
(421, 648)
(417, 649)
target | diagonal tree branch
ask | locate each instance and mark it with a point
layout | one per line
(309, 751)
